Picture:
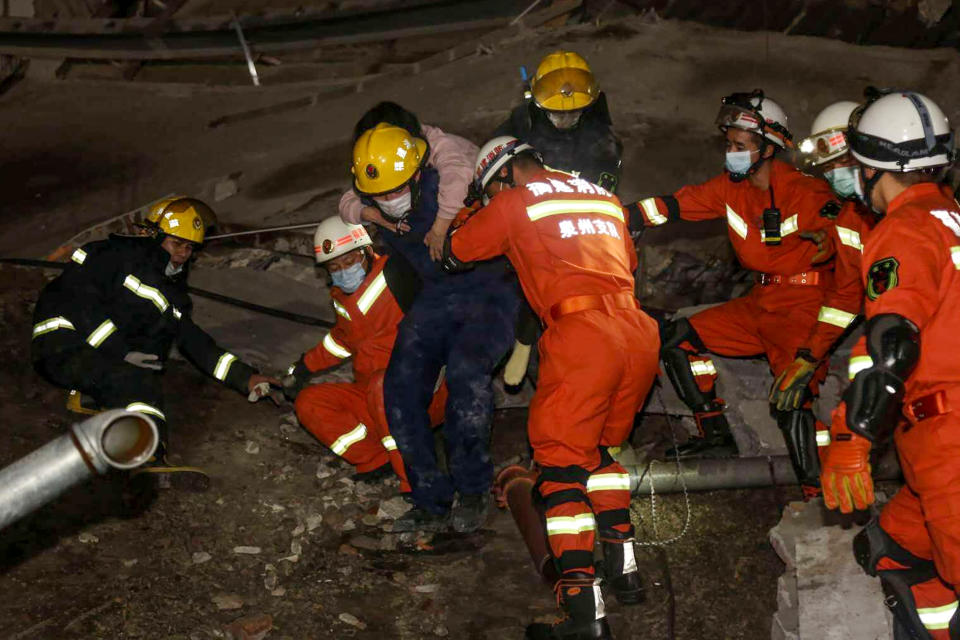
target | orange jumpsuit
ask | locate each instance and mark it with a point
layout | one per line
(598, 356)
(350, 417)
(794, 303)
(911, 267)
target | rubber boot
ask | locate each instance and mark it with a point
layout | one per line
(714, 440)
(585, 619)
(620, 568)
(167, 475)
(800, 434)
(419, 519)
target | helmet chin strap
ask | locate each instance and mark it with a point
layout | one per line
(868, 185)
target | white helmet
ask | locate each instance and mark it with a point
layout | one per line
(493, 155)
(828, 138)
(755, 113)
(334, 237)
(901, 131)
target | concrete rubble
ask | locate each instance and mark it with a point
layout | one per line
(823, 593)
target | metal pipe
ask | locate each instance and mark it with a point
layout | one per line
(514, 489)
(251, 67)
(708, 474)
(117, 439)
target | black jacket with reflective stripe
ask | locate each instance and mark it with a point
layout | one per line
(116, 296)
(590, 148)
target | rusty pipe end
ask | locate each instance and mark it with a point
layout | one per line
(506, 477)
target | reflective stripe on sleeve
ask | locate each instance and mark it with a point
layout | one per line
(571, 525)
(333, 347)
(143, 407)
(649, 206)
(736, 223)
(703, 368)
(79, 256)
(366, 300)
(936, 618)
(955, 256)
(223, 366)
(147, 292)
(101, 333)
(341, 310)
(561, 207)
(823, 437)
(836, 317)
(51, 325)
(850, 238)
(350, 438)
(389, 443)
(608, 482)
(858, 364)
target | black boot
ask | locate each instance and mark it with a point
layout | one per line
(579, 597)
(419, 519)
(470, 512)
(799, 429)
(715, 439)
(620, 568)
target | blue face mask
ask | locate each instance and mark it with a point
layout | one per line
(349, 279)
(738, 162)
(844, 181)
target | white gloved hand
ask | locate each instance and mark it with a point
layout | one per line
(260, 390)
(516, 367)
(144, 360)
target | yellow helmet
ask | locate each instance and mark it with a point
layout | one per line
(385, 158)
(185, 218)
(157, 208)
(564, 82)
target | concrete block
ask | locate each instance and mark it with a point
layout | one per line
(837, 599)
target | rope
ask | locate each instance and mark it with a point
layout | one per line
(656, 542)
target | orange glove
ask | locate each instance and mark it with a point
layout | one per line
(824, 242)
(845, 467)
(789, 390)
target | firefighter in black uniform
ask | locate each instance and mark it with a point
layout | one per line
(565, 118)
(105, 326)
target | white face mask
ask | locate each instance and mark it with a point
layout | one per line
(171, 270)
(396, 207)
(564, 119)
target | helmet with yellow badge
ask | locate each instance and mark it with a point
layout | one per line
(563, 87)
(387, 161)
(184, 218)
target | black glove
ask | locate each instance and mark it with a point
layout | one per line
(298, 375)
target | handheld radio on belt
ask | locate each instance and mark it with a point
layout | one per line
(771, 223)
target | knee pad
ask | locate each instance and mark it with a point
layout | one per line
(873, 544)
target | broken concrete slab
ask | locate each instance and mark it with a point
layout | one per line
(823, 593)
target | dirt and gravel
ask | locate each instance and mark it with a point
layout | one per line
(286, 540)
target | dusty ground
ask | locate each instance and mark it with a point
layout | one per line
(82, 568)
(78, 152)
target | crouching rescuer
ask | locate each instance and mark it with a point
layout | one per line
(567, 239)
(367, 291)
(105, 326)
(904, 369)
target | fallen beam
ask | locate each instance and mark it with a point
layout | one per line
(269, 37)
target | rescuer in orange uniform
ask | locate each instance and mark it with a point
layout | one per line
(770, 207)
(826, 149)
(569, 243)
(349, 417)
(906, 364)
